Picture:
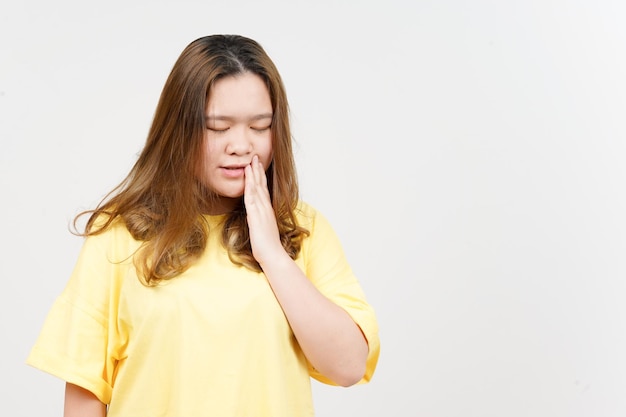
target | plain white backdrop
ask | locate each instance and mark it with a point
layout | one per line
(470, 155)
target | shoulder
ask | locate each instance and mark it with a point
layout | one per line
(114, 239)
(305, 212)
(312, 219)
(308, 216)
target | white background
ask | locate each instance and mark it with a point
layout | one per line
(470, 155)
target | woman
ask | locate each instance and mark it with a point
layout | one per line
(205, 286)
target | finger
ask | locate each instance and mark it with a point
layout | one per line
(259, 173)
(263, 179)
(255, 191)
(249, 185)
(259, 177)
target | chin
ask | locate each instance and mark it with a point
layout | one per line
(230, 195)
(229, 190)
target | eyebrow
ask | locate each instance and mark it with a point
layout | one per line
(261, 116)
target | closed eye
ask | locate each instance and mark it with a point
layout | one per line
(261, 129)
(217, 130)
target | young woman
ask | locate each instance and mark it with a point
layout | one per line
(205, 287)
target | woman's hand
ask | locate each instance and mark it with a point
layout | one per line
(264, 236)
(328, 336)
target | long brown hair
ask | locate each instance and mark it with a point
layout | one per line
(161, 201)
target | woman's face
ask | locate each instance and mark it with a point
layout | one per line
(238, 126)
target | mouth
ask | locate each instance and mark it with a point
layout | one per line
(235, 167)
(233, 171)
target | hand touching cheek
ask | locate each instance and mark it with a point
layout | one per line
(264, 236)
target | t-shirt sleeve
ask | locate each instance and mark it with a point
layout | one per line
(77, 342)
(328, 268)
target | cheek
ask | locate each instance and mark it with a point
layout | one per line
(204, 164)
(210, 151)
(268, 153)
(209, 148)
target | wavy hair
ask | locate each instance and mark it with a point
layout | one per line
(162, 202)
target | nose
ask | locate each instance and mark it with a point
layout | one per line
(239, 142)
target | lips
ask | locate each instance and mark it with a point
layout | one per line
(235, 166)
(233, 171)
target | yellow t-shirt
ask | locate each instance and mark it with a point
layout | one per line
(210, 342)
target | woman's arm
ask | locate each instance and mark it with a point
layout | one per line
(81, 403)
(330, 339)
(328, 336)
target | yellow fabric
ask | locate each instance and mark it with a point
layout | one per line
(211, 342)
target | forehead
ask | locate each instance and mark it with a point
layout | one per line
(239, 95)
